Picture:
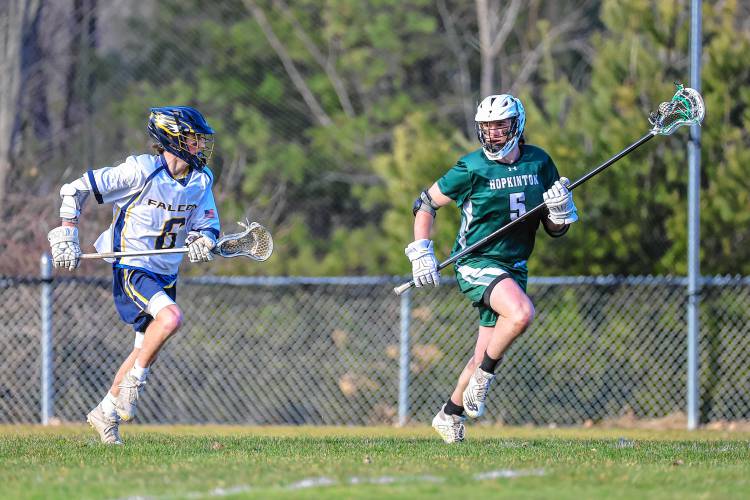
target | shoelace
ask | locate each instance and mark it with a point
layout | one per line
(111, 430)
(459, 434)
(457, 429)
(483, 387)
(132, 394)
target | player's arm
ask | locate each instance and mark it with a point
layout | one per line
(561, 209)
(554, 230)
(425, 210)
(203, 229)
(421, 251)
(63, 240)
(106, 184)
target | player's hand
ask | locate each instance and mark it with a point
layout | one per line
(423, 263)
(559, 201)
(66, 252)
(199, 246)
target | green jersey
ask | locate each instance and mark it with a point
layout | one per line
(490, 194)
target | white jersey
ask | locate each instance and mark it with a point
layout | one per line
(152, 210)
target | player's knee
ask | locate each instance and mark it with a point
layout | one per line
(522, 316)
(170, 319)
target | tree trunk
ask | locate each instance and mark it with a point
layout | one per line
(15, 18)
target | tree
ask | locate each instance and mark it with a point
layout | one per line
(633, 217)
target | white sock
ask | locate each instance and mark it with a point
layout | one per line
(139, 372)
(108, 405)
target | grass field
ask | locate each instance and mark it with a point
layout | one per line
(338, 462)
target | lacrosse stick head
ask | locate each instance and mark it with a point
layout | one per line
(254, 242)
(685, 108)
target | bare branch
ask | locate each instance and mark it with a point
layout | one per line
(531, 61)
(231, 176)
(462, 58)
(327, 63)
(278, 47)
(506, 26)
(489, 47)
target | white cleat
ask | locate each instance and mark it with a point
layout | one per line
(475, 394)
(450, 427)
(108, 428)
(130, 391)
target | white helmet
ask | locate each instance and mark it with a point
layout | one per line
(500, 107)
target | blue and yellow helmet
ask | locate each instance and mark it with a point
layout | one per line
(176, 128)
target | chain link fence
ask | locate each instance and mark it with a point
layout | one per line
(348, 351)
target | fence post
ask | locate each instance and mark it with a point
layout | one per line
(46, 340)
(404, 360)
(694, 195)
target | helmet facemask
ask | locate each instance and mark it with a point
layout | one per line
(494, 138)
(198, 146)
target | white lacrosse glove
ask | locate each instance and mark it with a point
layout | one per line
(66, 252)
(423, 263)
(559, 201)
(199, 246)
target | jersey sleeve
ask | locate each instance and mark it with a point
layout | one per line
(205, 217)
(549, 173)
(113, 183)
(456, 183)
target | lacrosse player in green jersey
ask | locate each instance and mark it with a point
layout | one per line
(491, 186)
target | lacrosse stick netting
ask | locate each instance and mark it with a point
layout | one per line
(685, 108)
(254, 242)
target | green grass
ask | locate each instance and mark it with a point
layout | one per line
(256, 462)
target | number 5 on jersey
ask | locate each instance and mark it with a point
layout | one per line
(517, 205)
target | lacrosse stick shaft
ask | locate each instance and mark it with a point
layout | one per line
(492, 236)
(134, 253)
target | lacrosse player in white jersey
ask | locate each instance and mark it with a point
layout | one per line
(159, 201)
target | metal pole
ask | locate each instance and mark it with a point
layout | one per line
(694, 285)
(46, 340)
(404, 360)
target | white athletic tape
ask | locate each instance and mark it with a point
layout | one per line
(139, 336)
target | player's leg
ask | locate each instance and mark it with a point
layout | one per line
(515, 313)
(473, 281)
(140, 298)
(103, 418)
(125, 367)
(449, 422)
(167, 319)
(483, 339)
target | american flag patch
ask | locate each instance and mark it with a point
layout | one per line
(209, 214)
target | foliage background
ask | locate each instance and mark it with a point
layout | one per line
(332, 115)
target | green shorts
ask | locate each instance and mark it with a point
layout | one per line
(476, 275)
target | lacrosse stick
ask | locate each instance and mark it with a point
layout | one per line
(685, 108)
(254, 242)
